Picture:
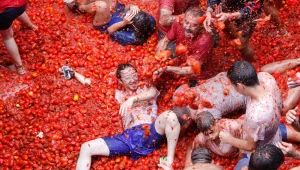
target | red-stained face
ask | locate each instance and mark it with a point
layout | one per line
(213, 132)
(191, 25)
(129, 78)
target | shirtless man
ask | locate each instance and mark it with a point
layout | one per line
(101, 10)
(200, 158)
(139, 140)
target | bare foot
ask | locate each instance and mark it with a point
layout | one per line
(31, 27)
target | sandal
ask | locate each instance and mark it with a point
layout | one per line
(20, 69)
(73, 5)
(68, 72)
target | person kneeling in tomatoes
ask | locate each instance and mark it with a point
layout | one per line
(139, 140)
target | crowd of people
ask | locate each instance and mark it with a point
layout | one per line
(256, 136)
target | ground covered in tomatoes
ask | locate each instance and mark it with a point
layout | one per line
(69, 113)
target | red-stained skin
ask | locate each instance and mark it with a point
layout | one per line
(64, 38)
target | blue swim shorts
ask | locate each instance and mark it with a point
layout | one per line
(135, 142)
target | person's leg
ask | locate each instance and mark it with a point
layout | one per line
(289, 134)
(270, 9)
(12, 48)
(24, 19)
(246, 50)
(88, 149)
(281, 66)
(292, 100)
(296, 168)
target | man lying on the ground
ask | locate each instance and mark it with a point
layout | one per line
(200, 158)
(211, 128)
(139, 140)
(218, 96)
(125, 24)
(137, 99)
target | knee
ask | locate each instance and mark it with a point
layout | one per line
(85, 148)
(8, 34)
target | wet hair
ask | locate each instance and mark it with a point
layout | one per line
(123, 67)
(243, 72)
(182, 113)
(201, 155)
(143, 24)
(195, 11)
(204, 121)
(266, 157)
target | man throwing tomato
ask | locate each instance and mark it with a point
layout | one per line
(238, 17)
(198, 42)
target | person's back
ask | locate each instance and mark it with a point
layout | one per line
(216, 95)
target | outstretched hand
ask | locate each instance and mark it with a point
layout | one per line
(287, 148)
(295, 81)
(291, 116)
(207, 22)
(128, 17)
(134, 9)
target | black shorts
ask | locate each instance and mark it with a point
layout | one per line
(9, 15)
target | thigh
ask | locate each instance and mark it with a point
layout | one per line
(9, 15)
(116, 146)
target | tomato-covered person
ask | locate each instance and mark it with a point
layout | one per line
(198, 42)
(210, 129)
(171, 11)
(9, 11)
(127, 25)
(238, 16)
(263, 106)
(139, 140)
(265, 157)
(216, 95)
(137, 99)
(200, 158)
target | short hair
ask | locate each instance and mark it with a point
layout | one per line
(123, 67)
(266, 157)
(195, 11)
(144, 26)
(201, 155)
(182, 113)
(204, 121)
(243, 72)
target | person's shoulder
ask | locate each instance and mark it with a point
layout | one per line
(264, 76)
(144, 84)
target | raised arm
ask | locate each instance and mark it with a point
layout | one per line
(126, 20)
(166, 18)
(281, 66)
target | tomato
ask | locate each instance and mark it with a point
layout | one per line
(276, 74)
(220, 25)
(201, 19)
(181, 49)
